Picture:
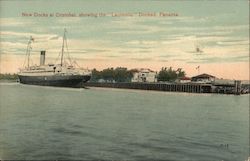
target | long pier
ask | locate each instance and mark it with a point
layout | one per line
(235, 88)
(190, 88)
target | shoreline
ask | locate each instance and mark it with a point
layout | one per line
(156, 87)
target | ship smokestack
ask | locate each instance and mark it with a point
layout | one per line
(42, 58)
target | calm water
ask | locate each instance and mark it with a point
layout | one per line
(60, 123)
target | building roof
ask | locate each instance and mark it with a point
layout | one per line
(185, 78)
(204, 75)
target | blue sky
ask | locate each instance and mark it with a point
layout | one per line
(219, 28)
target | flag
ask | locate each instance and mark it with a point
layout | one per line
(32, 39)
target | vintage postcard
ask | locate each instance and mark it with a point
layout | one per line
(124, 80)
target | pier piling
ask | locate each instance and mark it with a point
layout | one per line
(170, 87)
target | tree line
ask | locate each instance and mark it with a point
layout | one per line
(8, 76)
(119, 74)
(169, 74)
(122, 74)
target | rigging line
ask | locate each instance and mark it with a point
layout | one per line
(58, 57)
(66, 43)
(31, 62)
(64, 35)
(77, 64)
(26, 55)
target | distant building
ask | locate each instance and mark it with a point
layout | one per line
(144, 75)
(183, 80)
(203, 78)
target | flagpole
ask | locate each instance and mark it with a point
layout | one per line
(198, 69)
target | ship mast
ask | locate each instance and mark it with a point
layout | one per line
(29, 49)
(64, 39)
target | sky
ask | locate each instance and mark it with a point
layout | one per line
(130, 33)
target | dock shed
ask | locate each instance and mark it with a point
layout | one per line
(203, 78)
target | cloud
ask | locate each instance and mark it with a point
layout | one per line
(141, 39)
(181, 47)
(140, 26)
(142, 42)
(54, 38)
(217, 59)
(180, 59)
(141, 59)
(26, 35)
(96, 50)
(167, 56)
(12, 48)
(233, 42)
(163, 60)
(14, 22)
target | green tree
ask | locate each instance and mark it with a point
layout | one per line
(108, 74)
(180, 73)
(8, 76)
(169, 74)
(96, 75)
(122, 75)
(119, 74)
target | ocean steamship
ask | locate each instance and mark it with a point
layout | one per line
(60, 75)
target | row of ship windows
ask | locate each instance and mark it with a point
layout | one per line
(39, 71)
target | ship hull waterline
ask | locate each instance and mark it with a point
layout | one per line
(74, 81)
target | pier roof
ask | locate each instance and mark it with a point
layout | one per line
(204, 75)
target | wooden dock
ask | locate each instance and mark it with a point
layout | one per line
(237, 88)
(175, 87)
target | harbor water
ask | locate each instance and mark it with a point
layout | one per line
(120, 124)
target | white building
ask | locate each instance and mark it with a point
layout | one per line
(203, 78)
(144, 75)
(183, 80)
